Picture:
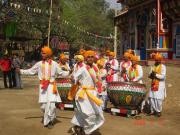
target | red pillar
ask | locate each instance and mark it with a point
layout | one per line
(158, 12)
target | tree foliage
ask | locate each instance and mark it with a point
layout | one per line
(89, 15)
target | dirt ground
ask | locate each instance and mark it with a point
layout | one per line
(20, 113)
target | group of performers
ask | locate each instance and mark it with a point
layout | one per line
(90, 76)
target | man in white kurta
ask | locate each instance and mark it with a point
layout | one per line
(135, 71)
(124, 67)
(158, 90)
(63, 62)
(103, 74)
(47, 69)
(113, 72)
(89, 114)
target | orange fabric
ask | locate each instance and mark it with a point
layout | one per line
(46, 50)
(155, 82)
(158, 57)
(93, 98)
(152, 55)
(107, 52)
(45, 84)
(100, 62)
(82, 51)
(133, 72)
(62, 56)
(134, 58)
(128, 55)
(72, 92)
(112, 54)
(130, 51)
(89, 53)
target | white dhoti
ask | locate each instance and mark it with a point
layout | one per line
(156, 104)
(88, 115)
(49, 110)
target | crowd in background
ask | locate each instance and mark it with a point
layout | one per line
(8, 66)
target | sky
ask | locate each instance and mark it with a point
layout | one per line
(113, 4)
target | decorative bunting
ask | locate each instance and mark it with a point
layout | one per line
(39, 11)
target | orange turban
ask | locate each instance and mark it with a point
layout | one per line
(89, 53)
(107, 52)
(130, 51)
(152, 55)
(158, 57)
(134, 58)
(82, 51)
(100, 62)
(127, 55)
(46, 50)
(112, 54)
(62, 56)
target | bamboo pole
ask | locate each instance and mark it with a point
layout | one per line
(49, 28)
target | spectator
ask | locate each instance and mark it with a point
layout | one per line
(17, 64)
(5, 66)
(13, 70)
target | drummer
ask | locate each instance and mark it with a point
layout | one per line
(63, 62)
(113, 67)
(158, 88)
(124, 66)
(135, 73)
(103, 74)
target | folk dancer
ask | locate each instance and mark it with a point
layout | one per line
(112, 67)
(124, 67)
(63, 62)
(48, 94)
(103, 74)
(158, 89)
(88, 115)
(135, 71)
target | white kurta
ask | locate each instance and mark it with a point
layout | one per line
(66, 66)
(47, 98)
(156, 97)
(115, 66)
(88, 115)
(140, 75)
(161, 93)
(46, 95)
(123, 65)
